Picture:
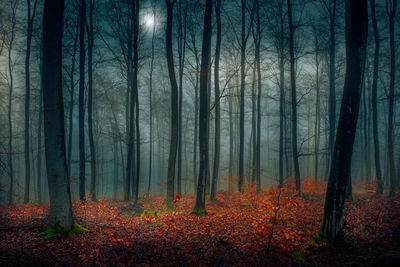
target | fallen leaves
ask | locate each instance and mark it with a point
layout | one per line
(231, 233)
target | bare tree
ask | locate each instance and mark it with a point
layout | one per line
(391, 6)
(60, 199)
(356, 40)
(200, 206)
(174, 106)
(30, 18)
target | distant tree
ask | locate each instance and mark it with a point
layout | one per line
(217, 134)
(356, 40)
(56, 165)
(90, 44)
(200, 206)
(374, 98)
(82, 154)
(174, 105)
(11, 65)
(293, 98)
(391, 7)
(31, 12)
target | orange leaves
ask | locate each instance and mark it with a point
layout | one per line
(231, 233)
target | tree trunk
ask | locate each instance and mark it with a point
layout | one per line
(200, 206)
(174, 106)
(30, 19)
(136, 92)
(356, 39)
(317, 125)
(39, 133)
(294, 101)
(332, 93)
(258, 66)
(242, 89)
(217, 134)
(82, 156)
(90, 103)
(151, 102)
(10, 95)
(71, 105)
(391, 6)
(60, 199)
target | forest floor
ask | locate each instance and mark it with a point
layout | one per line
(273, 228)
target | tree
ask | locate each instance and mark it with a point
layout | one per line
(374, 98)
(293, 98)
(182, 27)
(200, 206)
(151, 66)
(60, 199)
(11, 64)
(31, 17)
(82, 155)
(90, 44)
(391, 6)
(356, 40)
(174, 105)
(217, 142)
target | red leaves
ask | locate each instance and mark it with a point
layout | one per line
(231, 234)
(176, 200)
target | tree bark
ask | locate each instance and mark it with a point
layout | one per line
(90, 103)
(356, 39)
(294, 100)
(200, 206)
(82, 155)
(30, 19)
(10, 95)
(174, 106)
(217, 134)
(242, 89)
(60, 199)
(391, 6)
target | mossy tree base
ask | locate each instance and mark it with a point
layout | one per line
(57, 230)
(340, 242)
(199, 212)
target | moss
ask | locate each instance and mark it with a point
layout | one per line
(57, 230)
(77, 229)
(199, 212)
(297, 257)
(339, 242)
(245, 204)
(238, 227)
(151, 213)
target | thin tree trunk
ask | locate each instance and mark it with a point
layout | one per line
(136, 92)
(82, 156)
(391, 6)
(174, 106)
(332, 75)
(150, 102)
(10, 95)
(200, 206)
(258, 66)
(217, 134)
(71, 105)
(39, 133)
(90, 103)
(294, 101)
(30, 19)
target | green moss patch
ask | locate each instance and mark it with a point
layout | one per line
(151, 213)
(58, 230)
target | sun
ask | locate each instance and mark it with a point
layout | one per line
(149, 20)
